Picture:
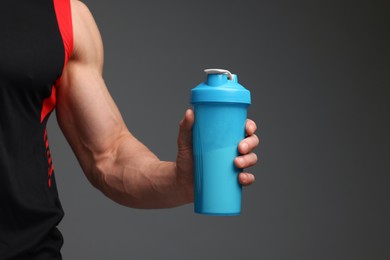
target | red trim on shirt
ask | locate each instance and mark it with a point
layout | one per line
(50, 167)
(64, 19)
(49, 104)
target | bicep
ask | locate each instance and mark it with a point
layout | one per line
(85, 110)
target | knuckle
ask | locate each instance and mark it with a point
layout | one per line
(248, 160)
(250, 124)
(251, 159)
(254, 125)
(255, 158)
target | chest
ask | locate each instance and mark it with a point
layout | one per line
(31, 47)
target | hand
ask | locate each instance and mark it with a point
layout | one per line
(248, 158)
(184, 162)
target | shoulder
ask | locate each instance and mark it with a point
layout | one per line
(88, 45)
(80, 10)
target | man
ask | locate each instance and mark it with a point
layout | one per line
(51, 56)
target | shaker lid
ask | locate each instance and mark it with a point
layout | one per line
(221, 86)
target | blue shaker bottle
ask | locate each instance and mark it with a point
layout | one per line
(220, 107)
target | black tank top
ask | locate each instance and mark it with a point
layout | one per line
(35, 43)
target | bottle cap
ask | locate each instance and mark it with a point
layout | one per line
(221, 86)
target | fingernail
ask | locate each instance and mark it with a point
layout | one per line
(245, 147)
(239, 161)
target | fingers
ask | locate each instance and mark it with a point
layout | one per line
(248, 158)
(184, 140)
(248, 144)
(246, 178)
(245, 161)
(252, 141)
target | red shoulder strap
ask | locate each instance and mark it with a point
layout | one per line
(64, 19)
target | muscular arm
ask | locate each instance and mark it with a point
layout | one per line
(111, 157)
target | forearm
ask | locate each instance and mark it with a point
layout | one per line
(133, 176)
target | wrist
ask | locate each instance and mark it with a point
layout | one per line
(185, 183)
(170, 183)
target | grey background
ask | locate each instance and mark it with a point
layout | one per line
(319, 73)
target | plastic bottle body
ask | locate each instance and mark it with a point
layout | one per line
(218, 129)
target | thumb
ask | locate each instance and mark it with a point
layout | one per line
(184, 140)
